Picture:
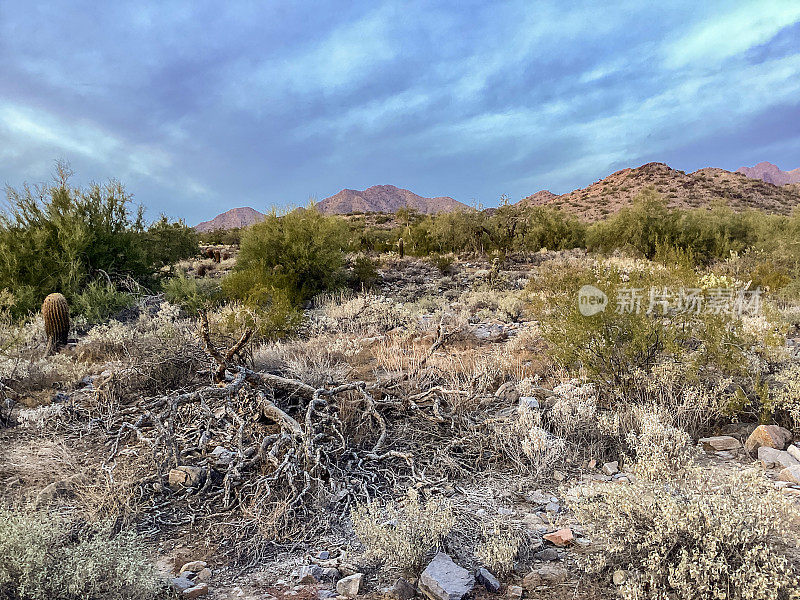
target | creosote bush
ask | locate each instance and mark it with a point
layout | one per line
(401, 535)
(693, 537)
(44, 556)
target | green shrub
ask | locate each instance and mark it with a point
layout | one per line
(191, 293)
(100, 300)
(365, 271)
(43, 556)
(288, 258)
(58, 238)
(443, 262)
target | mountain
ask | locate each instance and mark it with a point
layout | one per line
(231, 219)
(771, 174)
(685, 190)
(385, 199)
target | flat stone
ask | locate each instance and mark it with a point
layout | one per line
(324, 555)
(531, 581)
(181, 583)
(611, 468)
(546, 555)
(201, 589)
(514, 592)
(195, 566)
(487, 580)
(552, 574)
(204, 575)
(772, 436)
(720, 443)
(770, 457)
(561, 538)
(330, 574)
(307, 574)
(790, 474)
(443, 579)
(350, 586)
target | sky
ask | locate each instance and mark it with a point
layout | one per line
(198, 107)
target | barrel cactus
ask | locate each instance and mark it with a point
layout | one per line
(217, 256)
(55, 311)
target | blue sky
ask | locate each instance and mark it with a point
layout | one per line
(203, 106)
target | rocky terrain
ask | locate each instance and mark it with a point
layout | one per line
(685, 190)
(231, 219)
(386, 199)
(770, 173)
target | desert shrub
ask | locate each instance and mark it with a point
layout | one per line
(58, 238)
(443, 262)
(784, 396)
(192, 294)
(402, 535)
(365, 271)
(694, 537)
(99, 300)
(288, 259)
(44, 556)
(499, 546)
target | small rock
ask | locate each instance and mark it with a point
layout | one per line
(325, 594)
(181, 583)
(186, 476)
(561, 538)
(720, 443)
(531, 581)
(489, 581)
(204, 575)
(443, 579)
(515, 592)
(559, 476)
(508, 391)
(528, 403)
(350, 586)
(770, 457)
(546, 555)
(195, 566)
(790, 474)
(552, 574)
(537, 497)
(619, 577)
(324, 555)
(201, 589)
(402, 590)
(222, 457)
(331, 574)
(505, 512)
(307, 574)
(611, 468)
(552, 507)
(794, 450)
(772, 436)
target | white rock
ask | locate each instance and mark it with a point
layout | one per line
(611, 468)
(350, 586)
(771, 457)
(443, 579)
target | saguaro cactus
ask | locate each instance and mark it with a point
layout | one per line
(401, 250)
(217, 256)
(55, 311)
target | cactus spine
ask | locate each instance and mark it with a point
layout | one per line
(55, 311)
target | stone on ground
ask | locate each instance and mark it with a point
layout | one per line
(194, 566)
(350, 586)
(611, 468)
(514, 592)
(186, 476)
(200, 589)
(772, 436)
(487, 580)
(402, 590)
(794, 450)
(552, 574)
(562, 537)
(181, 583)
(720, 443)
(443, 579)
(790, 474)
(770, 458)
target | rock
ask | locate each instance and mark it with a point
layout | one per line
(619, 577)
(772, 436)
(179, 584)
(204, 575)
(186, 476)
(561, 538)
(611, 468)
(546, 555)
(720, 443)
(307, 574)
(487, 580)
(195, 566)
(531, 581)
(790, 474)
(552, 574)
(552, 507)
(324, 555)
(350, 586)
(201, 589)
(770, 457)
(794, 450)
(528, 403)
(325, 594)
(443, 579)
(222, 457)
(514, 592)
(402, 590)
(331, 574)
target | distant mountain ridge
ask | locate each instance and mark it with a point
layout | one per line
(231, 219)
(766, 171)
(385, 199)
(684, 190)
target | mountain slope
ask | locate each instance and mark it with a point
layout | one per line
(680, 189)
(385, 199)
(770, 173)
(231, 219)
